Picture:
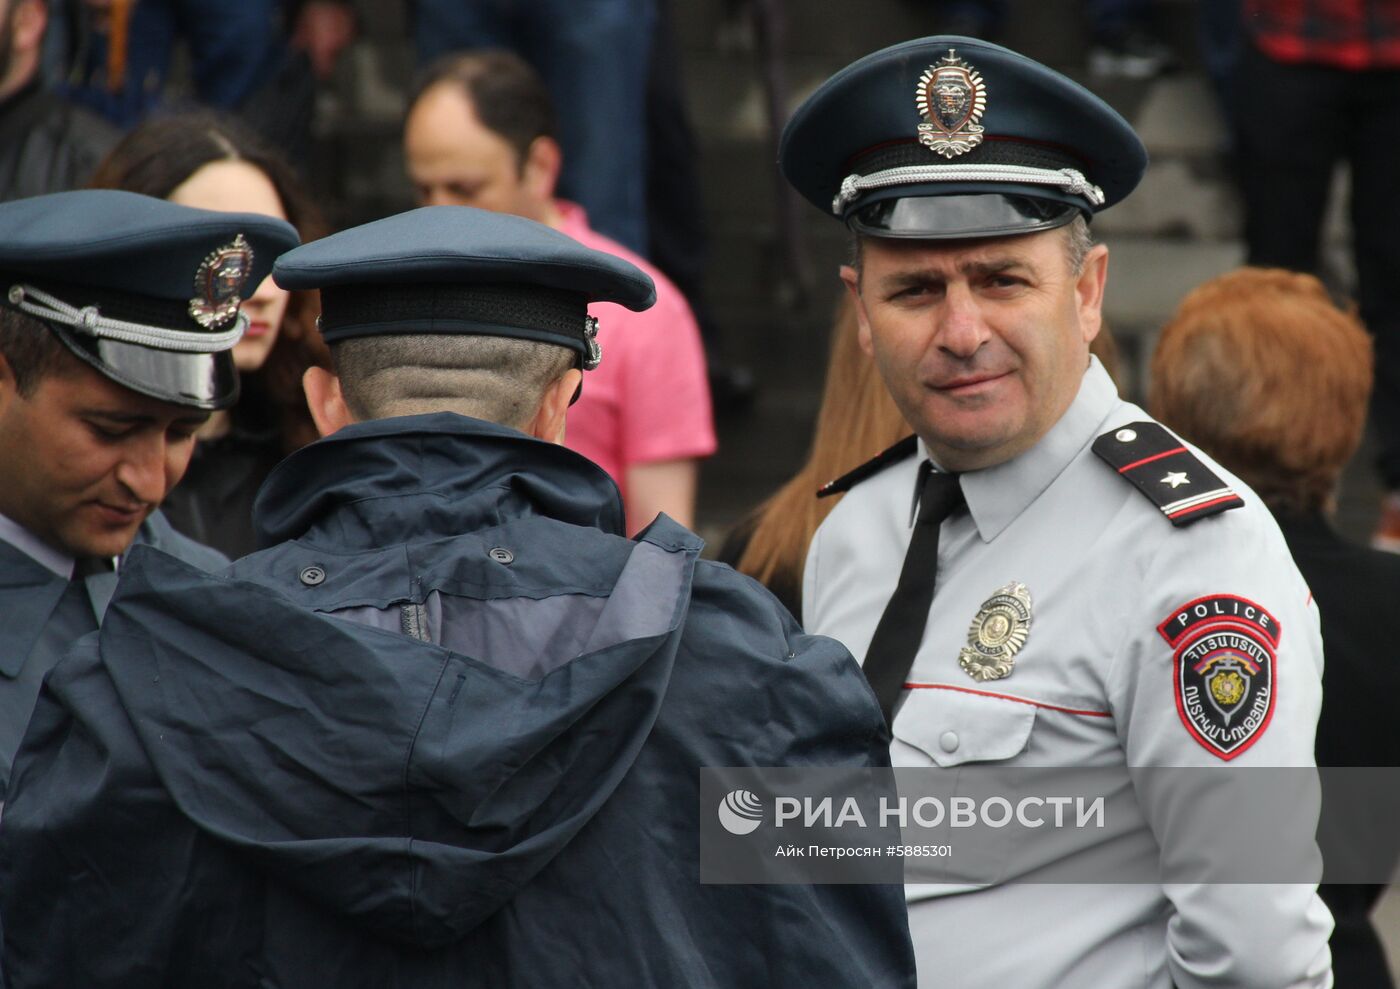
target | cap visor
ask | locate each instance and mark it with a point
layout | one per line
(959, 216)
(201, 381)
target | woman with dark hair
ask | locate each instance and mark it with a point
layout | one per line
(209, 161)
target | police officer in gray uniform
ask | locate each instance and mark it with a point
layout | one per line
(1044, 576)
(118, 313)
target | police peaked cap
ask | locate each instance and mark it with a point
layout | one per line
(951, 137)
(460, 270)
(145, 291)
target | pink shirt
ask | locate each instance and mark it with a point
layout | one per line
(649, 399)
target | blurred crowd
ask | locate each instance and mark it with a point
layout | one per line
(581, 121)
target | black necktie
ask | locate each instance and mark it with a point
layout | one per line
(86, 566)
(901, 627)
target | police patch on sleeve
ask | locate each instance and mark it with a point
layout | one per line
(1223, 670)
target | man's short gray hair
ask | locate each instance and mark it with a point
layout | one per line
(500, 379)
(1079, 243)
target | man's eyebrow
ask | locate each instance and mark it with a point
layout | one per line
(992, 266)
(905, 279)
(130, 418)
(139, 419)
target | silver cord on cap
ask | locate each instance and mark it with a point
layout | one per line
(1070, 180)
(89, 320)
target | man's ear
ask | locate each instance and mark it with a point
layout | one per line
(851, 278)
(325, 400)
(540, 170)
(548, 423)
(1089, 291)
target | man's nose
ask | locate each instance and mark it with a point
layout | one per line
(962, 329)
(143, 470)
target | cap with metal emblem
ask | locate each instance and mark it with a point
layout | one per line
(143, 290)
(951, 137)
(455, 269)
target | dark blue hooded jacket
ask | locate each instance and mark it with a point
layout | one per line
(445, 731)
(43, 614)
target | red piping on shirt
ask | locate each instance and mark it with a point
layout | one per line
(1006, 697)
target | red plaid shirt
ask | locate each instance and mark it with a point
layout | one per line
(1348, 34)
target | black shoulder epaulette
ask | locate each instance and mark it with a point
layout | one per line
(1173, 478)
(904, 448)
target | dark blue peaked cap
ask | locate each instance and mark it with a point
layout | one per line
(141, 289)
(455, 269)
(951, 137)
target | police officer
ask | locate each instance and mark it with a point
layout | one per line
(117, 315)
(460, 717)
(1044, 576)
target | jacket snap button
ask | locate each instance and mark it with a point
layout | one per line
(948, 741)
(501, 555)
(312, 576)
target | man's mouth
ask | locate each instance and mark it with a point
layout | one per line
(120, 514)
(965, 383)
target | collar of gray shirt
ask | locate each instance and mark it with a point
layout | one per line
(34, 548)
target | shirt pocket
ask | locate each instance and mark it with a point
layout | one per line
(954, 748)
(953, 727)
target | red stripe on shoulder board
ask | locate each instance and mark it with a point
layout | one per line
(1208, 504)
(1148, 460)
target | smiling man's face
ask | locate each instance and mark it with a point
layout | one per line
(83, 460)
(982, 343)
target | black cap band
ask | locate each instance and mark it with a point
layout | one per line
(992, 151)
(526, 311)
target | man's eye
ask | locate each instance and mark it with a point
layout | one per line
(108, 432)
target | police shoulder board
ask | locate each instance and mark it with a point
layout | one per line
(902, 450)
(1171, 476)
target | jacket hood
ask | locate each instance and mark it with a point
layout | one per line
(391, 479)
(410, 782)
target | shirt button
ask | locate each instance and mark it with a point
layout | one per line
(948, 741)
(312, 576)
(501, 555)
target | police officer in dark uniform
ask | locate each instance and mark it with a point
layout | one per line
(460, 717)
(117, 315)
